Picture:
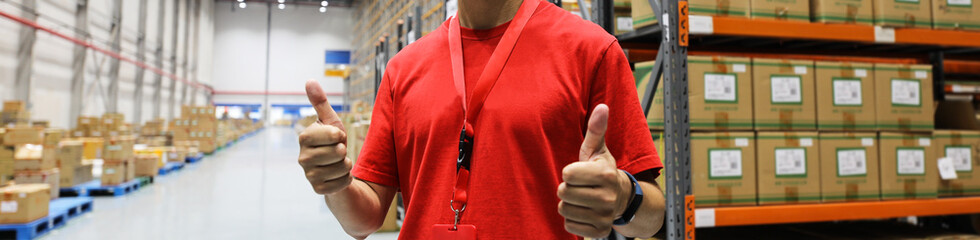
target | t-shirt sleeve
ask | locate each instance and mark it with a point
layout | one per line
(376, 162)
(628, 136)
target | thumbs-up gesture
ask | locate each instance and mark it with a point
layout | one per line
(323, 149)
(594, 192)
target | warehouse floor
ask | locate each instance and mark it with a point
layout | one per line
(252, 190)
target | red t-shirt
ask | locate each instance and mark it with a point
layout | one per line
(532, 125)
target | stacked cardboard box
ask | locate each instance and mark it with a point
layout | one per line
(962, 148)
(118, 166)
(793, 10)
(955, 14)
(38, 163)
(842, 11)
(788, 167)
(903, 13)
(14, 113)
(87, 127)
(197, 124)
(147, 165)
(908, 166)
(24, 203)
(72, 169)
(784, 94)
(733, 8)
(723, 168)
(642, 14)
(904, 97)
(847, 96)
(849, 167)
(719, 92)
(6, 160)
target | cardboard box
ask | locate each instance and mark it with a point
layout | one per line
(642, 14)
(904, 97)
(730, 8)
(793, 10)
(6, 162)
(842, 11)
(40, 124)
(903, 13)
(23, 135)
(113, 173)
(34, 158)
(49, 177)
(119, 148)
(720, 93)
(955, 14)
(788, 167)
(70, 154)
(78, 175)
(962, 147)
(92, 148)
(53, 136)
(14, 106)
(849, 167)
(24, 203)
(908, 166)
(723, 168)
(641, 75)
(147, 166)
(847, 96)
(784, 94)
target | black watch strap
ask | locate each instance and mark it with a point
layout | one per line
(633, 205)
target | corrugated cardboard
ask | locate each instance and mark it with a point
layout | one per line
(14, 106)
(78, 175)
(846, 99)
(119, 148)
(92, 147)
(962, 147)
(113, 173)
(849, 167)
(723, 168)
(904, 97)
(642, 14)
(641, 75)
(793, 10)
(908, 166)
(23, 135)
(70, 154)
(720, 93)
(53, 136)
(24, 203)
(955, 14)
(34, 158)
(784, 94)
(146, 165)
(788, 166)
(842, 11)
(903, 13)
(49, 177)
(732, 8)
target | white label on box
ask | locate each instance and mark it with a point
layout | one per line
(946, 169)
(23, 195)
(852, 162)
(114, 147)
(911, 161)
(741, 142)
(860, 72)
(624, 23)
(790, 161)
(701, 24)
(110, 171)
(867, 142)
(906, 92)
(739, 68)
(806, 142)
(786, 89)
(959, 2)
(925, 142)
(847, 92)
(799, 69)
(725, 162)
(109, 121)
(884, 34)
(960, 157)
(719, 87)
(8, 206)
(193, 110)
(704, 217)
(85, 121)
(920, 74)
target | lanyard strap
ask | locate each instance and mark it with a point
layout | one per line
(488, 78)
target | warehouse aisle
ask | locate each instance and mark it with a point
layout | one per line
(252, 190)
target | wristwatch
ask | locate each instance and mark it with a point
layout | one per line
(633, 205)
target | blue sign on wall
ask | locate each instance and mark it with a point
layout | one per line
(337, 57)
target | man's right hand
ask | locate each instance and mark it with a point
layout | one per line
(323, 146)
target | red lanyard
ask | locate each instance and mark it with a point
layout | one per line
(483, 86)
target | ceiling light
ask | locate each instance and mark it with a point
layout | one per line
(241, 0)
(241, 4)
(282, 1)
(323, 9)
(282, 6)
(324, 3)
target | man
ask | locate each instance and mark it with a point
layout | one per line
(537, 105)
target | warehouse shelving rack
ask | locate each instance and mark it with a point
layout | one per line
(668, 41)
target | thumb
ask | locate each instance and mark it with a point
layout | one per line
(324, 111)
(596, 134)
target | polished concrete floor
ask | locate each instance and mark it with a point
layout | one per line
(252, 190)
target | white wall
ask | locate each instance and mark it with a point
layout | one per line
(53, 57)
(299, 37)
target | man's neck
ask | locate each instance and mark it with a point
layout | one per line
(485, 14)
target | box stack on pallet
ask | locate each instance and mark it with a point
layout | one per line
(118, 158)
(28, 155)
(196, 124)
(36, 157)
(14, 113)
(73, 169)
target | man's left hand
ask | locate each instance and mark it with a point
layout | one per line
(594, 192)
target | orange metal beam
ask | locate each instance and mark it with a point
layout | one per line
(839, 32)
(960, 66)
(737, 216)
(649, 55)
